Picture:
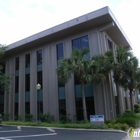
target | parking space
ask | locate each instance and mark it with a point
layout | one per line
(25, 133)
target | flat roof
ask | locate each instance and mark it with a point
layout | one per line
(94, 19)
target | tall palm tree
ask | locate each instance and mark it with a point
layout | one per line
(131, 77)
(78, 65)
(118, 64)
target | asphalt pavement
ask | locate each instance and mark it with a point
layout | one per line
(34, 133)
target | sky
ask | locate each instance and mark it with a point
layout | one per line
(22, 18)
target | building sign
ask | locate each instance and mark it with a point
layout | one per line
(96, 118)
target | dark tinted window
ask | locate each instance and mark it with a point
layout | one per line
(27, 82)
(17, 63)
(39, 57)
(59, 51)
(81, 42)
(27, 60)
(16, 84)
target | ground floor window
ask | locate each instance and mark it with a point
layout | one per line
(27, 107)
(89, 105)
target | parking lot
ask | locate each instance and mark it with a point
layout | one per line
(24, 133)
(31, 133)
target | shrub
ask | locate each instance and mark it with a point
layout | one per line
(124, 126)
(64, 118)
(6, 117)
(136, 106)
(117, 126)
(132, 120)
(137, 110)
(47, 118)
(127, 112)
(17, 118)
(28, 117)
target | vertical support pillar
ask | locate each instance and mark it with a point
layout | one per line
(33, 83)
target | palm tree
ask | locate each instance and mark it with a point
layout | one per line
(118, 64)
(78, 65)
(131, 77)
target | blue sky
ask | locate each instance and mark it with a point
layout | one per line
(22, 18)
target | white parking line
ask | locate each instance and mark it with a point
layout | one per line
(27, 136)
(10, 131)
(5, 139)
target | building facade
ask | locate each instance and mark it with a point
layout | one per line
(34, 60)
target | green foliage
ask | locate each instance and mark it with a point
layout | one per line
(131, 120)
(64, 119)
(28, 117)
(127, 112)
(4, 78)
(47, 118)
(17, 118)
(117, 125)
(137, 108)
(6, 117)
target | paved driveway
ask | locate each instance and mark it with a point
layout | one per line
(29, 133)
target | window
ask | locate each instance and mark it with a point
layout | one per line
(39, 78)
(27, 60)
(110, 46)
(80, 43)
(16, 84)
(59, 51)
(27, 82)
(39, 57)
(61, 87)
(17, 63)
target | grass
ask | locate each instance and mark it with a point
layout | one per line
(59, 125)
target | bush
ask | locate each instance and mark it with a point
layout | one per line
(120, 126)
(47, 118)
(6, 117)
(63, 118)
(136, 106)
(124, 126)
(28, 117)
(117, 126)
(127, 112)
(132, 120)
(137, 110)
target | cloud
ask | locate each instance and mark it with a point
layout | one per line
(23, 18)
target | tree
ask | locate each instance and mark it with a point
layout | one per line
(118, 63)
(131, 77)
(80, 66)
(4, 78)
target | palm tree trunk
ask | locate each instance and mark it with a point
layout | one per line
(84, 103)
(131, 101)
(119, 98)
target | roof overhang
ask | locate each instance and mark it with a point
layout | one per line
(97, 18)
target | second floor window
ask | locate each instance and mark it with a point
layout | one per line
(27, 60)
(17, 63)
(80, 43)
(39, 57)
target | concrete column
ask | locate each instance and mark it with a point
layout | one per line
(46, 82)
(21, 108)
(33, 83)
(53, 90)
(12, 88)
(6, 95)
(69, 86)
